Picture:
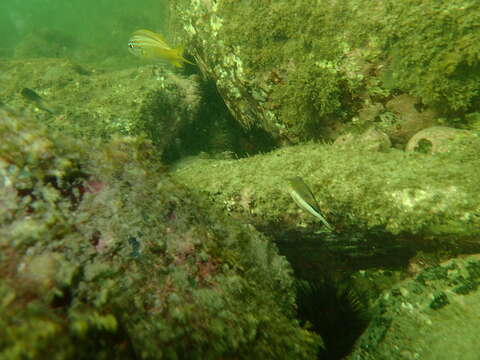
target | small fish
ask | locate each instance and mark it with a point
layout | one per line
(148, 44)
(302, 195)
(32, 96)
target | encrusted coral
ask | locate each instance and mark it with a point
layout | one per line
(308, 69)
(433, 315)
(433, 195)
(103, 255)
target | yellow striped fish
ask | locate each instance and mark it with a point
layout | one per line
(148, 44)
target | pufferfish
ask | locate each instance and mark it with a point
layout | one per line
(150, 45)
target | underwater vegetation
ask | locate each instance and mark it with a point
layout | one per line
(432, 52)
(104, 255)
(132, 200)
(432, 315)
(315, 69)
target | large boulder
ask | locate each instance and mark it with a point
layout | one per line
(85, 101)
(357, 189)
(311, 69)
(431, 316)
(103, 255)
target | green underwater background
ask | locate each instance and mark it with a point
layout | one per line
(82, 30)
(147, 211)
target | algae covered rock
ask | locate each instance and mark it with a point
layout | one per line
(310, 68)
(436, 139)
(432, 316)
(371, 140)
(90, 102)
(103, 255)
(409, 120)
(431, 195)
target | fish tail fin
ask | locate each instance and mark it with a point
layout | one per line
(324, 221)
(188, 62)
(179, 57)
(177, 63)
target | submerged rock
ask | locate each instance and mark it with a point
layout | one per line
(371, 140)
(432, 316)
(436, 139)
(103, 255)
(358, 189)
(94, 103)
(409, 120)
(309, 69)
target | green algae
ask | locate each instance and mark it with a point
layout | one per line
(92, 103)
(307, 70)
(356, 189)
(73, 282)
(432, 52)
(425, 317)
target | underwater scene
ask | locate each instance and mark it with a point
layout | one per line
(240, 179)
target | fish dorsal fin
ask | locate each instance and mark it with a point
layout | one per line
(150, 34)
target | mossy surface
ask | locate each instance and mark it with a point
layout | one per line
(430, 195)
(432, 51)
(310, 69)
(103, 255)
(426, 317)
(88, 102)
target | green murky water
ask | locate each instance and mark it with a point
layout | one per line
(91, 30)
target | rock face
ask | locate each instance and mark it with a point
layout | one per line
(93, 103)
(409, 119)
(432, 316)
(104, 256)
(436, 139)
(371, 140)
(433, 196)
(313, 68)
(385, 207)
